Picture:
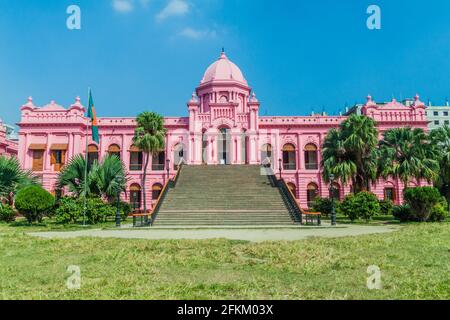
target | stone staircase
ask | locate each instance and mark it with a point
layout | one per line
(223, 195)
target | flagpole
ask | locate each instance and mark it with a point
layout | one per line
(86, 165)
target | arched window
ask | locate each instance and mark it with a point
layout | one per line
(267, 155)
(114, 150)
(135, 158)
(312, 191)
(135, 196)
(289, 157)
(158, 160)
(292, 188)
(311, 162)
(156, 191)
(92, 154)
(178, 156)
(204, 145)
(335, 192)
(389, 193)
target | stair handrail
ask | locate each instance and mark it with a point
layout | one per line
(292, 200)
(169, 183)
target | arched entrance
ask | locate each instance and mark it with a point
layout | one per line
(135, 196)
(224, 146)
(267, 155)
(312, 193)
(179, 156)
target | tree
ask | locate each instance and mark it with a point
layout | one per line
(350, 153)
(34, 202)
(149, 136)
(407, 154)
(440, 141)
(104, 179)
(13, 178)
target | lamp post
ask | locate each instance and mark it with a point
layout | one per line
(168, 168)
(118, 209)
(333, 209)
(279, 166)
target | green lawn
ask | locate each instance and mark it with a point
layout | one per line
(415, 264)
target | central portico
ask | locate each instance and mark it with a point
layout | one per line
(223, 115)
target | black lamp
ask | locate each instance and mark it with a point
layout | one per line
(333, 209)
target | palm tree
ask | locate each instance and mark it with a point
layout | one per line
(440, 141)
(407, 154)
(149, 136)
(12, 178)
(104, 179)
(350, 153)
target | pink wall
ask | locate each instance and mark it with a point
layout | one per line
(222, 100)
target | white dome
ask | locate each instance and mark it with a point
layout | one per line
(223, 70)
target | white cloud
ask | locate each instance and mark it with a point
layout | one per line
(173, 8)
(123, 6)
(194, 34)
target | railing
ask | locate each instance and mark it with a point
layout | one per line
(171, 183)
(289, 166)
(288, 198)
(311, 166)
(136, 167)
(157, 167)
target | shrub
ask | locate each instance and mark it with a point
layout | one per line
(7, 213)
(440, 211)
(124, 207)
(323, 205)
(362, 205)
(98, 211)
(386, 207)
(34, 202)
(69, 210)
(422, 200)
(403, 213)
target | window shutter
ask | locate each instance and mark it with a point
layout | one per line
(52, 157)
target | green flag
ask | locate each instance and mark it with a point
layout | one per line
(93, 117)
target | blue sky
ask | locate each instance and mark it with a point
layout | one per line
(298, 56)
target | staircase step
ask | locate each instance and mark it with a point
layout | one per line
(223, 195)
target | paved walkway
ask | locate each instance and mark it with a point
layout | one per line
(255, 233)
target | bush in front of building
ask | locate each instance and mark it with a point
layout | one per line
(363, 205)
(386, 207)
(124, 208)
(422, 200)
(403, 213)
(34, 202)
(323, 205)
(71, 210)
(7, 213)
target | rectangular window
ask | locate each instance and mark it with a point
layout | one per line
(38, 160)
(446, 113)
(446, 122)
(436, 122)
(435, 113)
(135, 161)
(57, 159)
(158, 160)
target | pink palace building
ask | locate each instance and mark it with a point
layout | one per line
(8, 146)
(222, 127)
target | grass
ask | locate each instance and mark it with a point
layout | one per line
(414, 263)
